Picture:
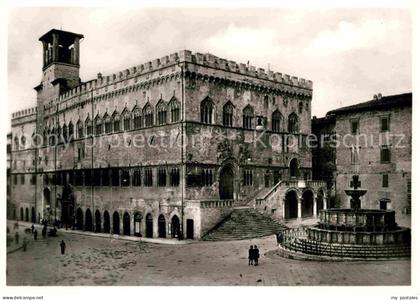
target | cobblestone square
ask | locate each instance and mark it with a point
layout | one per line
(107, 261)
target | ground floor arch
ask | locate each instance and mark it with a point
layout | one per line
(47, 196)
(79, 219)
(27, 214)
(97, 221)
(226, 182)
(126, 223)
(307, 206)
(175, 227)
(88, 220)
(22, 217)
(116, 223)
(137, 224)
(149, 226)
(294, 168)
(161, 226)
(291, 205)
(107, 222)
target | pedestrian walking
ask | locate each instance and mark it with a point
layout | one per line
(17, 237)
(44, 231)
(63, 247)
(24, 244)
(35, 234)
(279, 237)
(32, 228)
(251, 256)
(256, 255)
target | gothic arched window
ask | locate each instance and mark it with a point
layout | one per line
(276, 121)
(71, 130)
(293, 123)
(126, 119)
(206, 109)
(161, 111)
(175, 110)
(65, 136)
(80, 130)
(248, 116)
(300, 107)
(148, 115)
(228, 114)
(117, 121)
(108, 123)
(137, 118)
(98, 124)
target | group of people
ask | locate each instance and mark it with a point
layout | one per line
(253, 255)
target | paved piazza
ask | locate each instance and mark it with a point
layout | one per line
(102, 261)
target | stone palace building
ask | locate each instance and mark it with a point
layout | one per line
(168, 148)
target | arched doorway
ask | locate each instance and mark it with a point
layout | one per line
(116, 223)
(307, 206)
(79, 219)
(97, 221)
(21, 214)
(226, 183)
(294, 168)
(107, 222)
(27, 214)
(88, 220)
(175, 227)
(162, 226)
(319, 201)
(149, 226)
(137, 222)
(33, 215)
(126, 223)
(291, 205)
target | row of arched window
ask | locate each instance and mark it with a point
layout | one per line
(249, 120)
(108, 123)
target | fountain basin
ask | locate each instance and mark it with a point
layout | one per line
(372, 220)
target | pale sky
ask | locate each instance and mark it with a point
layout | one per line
(349, 54)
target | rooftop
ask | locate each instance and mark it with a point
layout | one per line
(381, 103)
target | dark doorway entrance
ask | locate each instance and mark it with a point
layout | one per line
(27, 214)
(88, 220)
(307, 204)
(126, 223)
(319, 201)
(33, 215)
(190, 229)
(226, 183)
(149, 226)
(162, 226)
(47, 196)
(97, 221)
(21, 214)
(116, 223)
(175, 227)
(294, 168)
(291, 206)
(107, 222)
(137, 222)
(67, 205)
(79, 219)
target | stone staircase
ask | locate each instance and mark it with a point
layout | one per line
(243, 223)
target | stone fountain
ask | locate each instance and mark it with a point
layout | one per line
(354, 232)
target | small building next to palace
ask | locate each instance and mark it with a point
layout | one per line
(371, 139)
(167, 148)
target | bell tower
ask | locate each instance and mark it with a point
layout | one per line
(60, 64)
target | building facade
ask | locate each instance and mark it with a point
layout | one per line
(164, 149)
(373, 139)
